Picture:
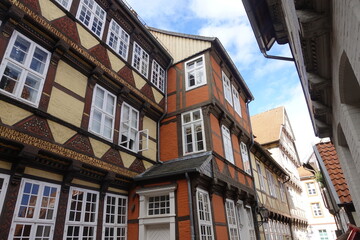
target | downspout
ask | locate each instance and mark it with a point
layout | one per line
(291, 59)
(190, 207)
(256, 195)
(162, 116)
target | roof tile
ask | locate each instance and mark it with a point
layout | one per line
(330, 158)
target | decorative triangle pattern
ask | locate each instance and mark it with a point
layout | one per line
(67, 27)
(113, 156)
(80, 143)
(137, 166)
(37, 126)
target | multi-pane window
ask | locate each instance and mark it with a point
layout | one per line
(35, 212)
(102, 113)
(236, 99)
(115, 217)
(81, 217)
(159, 205)
(271, 182)
(65, 3)
(282, 191)
(261, 177)
(232, 220)
(118, 39)
(92, 16)
(158, 76)
(130, 136)
(204, 215)
(323, 234)
(250, 222)
(195, 73)
(227, 144)
(316, 209)
(23, 69)
(193, 131)
(311, 188)
(245, 157)
(266, 231)
(4, 181)
(227, 88)
(140, 60)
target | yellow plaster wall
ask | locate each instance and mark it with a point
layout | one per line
(157, 95)
(99, 148)
(147, 164)
(43, 174)
(139, 81)
(151, 125)
(127, 159)
(49, 10)
(10, 114)
(85, 183)
(5, 165)
(87, 40)
(71, 79)
(116, 62)
(65, 107)
(151, 152)
(60, 133)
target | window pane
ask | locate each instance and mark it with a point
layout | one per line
(20, 50)
(10, 78)
(38, 61)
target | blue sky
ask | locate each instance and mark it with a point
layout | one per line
(272, 82)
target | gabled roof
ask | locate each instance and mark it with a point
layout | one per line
(194, 163)
(267, 125)
(331, 161)
(182, 46)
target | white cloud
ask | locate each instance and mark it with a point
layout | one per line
(211, 9)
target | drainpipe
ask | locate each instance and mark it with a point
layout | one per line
(291, 59)
(162, 116)
(190, 207)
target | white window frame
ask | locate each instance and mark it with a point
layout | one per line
(24, 69)
(118, 39)
(323, 234)
(232, 220)
(282, 191)
(3, 189)
(33, 210)
(271, 183)
(261, 176)
(197, 71)
(146, 219)
(227, 88)
(229, 155)
(316, 209)
(236, 99)
(266, 231)
(158, 76)
(311, 188)
(97, 15)
(65, 3)
(140, 60)
(127, 126)
(245, 158)
(204, 214)
(117, 210)
(81, 224)
(193, 124)
(250, 222)
(102, 110)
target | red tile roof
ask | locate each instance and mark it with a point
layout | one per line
(330, 158)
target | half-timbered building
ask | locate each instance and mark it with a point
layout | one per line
(81, 93)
